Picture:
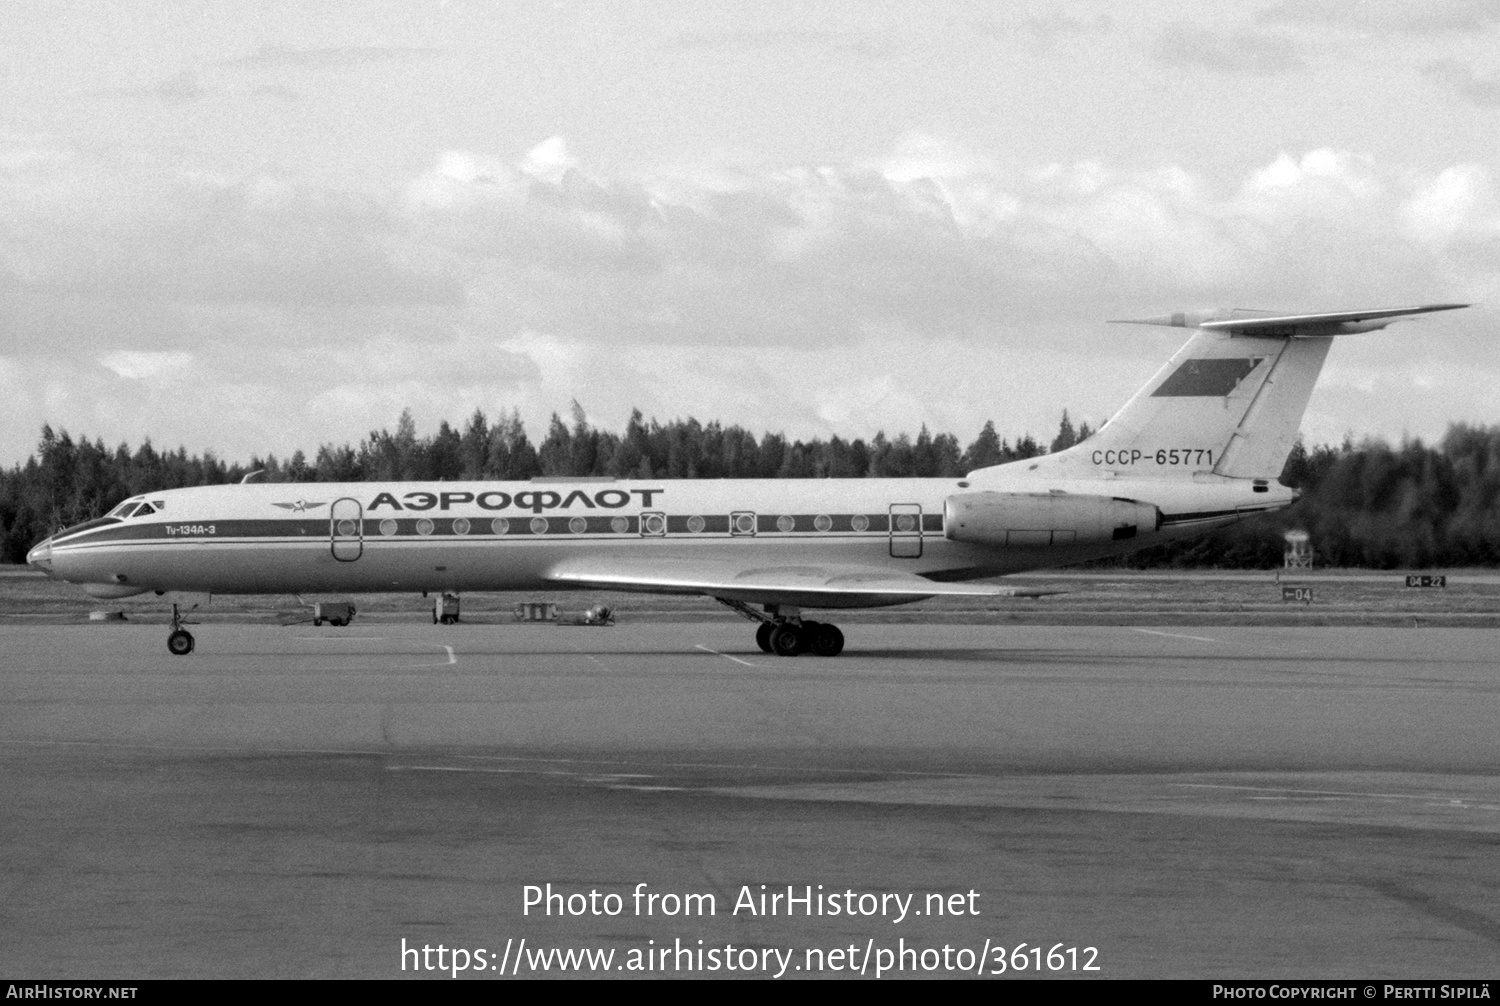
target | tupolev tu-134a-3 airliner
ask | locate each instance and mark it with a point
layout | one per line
(1200, 445)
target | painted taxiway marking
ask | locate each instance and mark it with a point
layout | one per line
(1445, 799)
(617, 779)
(452, 659)
(726, 656)
(341, 639)
(1177, 635)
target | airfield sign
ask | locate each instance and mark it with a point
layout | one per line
(1301, 594)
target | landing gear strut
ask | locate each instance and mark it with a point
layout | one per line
(784, 632)
(180, 642)
(445, 608)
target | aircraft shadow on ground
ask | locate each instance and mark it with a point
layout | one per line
(980, 656)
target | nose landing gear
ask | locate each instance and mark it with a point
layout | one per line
(180, 642)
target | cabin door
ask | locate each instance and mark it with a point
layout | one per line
(906, 530)
(346, 529)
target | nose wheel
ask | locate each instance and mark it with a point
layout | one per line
(180, 642)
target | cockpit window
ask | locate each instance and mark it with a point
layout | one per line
(125, 509)
(143, 510)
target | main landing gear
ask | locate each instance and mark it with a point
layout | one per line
(784, 632)
(180, 642)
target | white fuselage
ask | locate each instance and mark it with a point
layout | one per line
(476, 536)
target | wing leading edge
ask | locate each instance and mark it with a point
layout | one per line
(802, 585)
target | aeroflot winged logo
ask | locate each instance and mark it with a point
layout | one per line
(301, 506)
(534, 500)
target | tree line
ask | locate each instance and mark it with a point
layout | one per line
(1369, 504)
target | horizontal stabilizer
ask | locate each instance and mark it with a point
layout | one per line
(1271, 325)
(803, 585)
(1330, 323)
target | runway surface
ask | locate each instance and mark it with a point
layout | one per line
(1210, 802)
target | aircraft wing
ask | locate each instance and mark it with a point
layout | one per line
(808, 585)
(1331, 323)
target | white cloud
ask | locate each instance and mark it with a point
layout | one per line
(1241, 54)
(833, 298)
(1459, 199)
(549, 160)
(138, 231)
(918, 155)
(138, 366)
(1412, 16)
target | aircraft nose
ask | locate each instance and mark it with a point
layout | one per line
(41, 556)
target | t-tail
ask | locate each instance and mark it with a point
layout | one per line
(1230, 401)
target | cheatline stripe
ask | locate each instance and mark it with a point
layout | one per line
(554, 525)
(446, 541)
(408, 529)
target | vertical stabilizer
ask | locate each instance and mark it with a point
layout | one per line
(1268, 428)
(1229, 402)
(1223, 403)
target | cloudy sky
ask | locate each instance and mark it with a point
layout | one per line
(268, 225)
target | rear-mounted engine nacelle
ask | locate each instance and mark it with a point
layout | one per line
(1030, 520)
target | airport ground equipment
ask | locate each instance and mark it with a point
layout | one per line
(333, 612)
(597, 615)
